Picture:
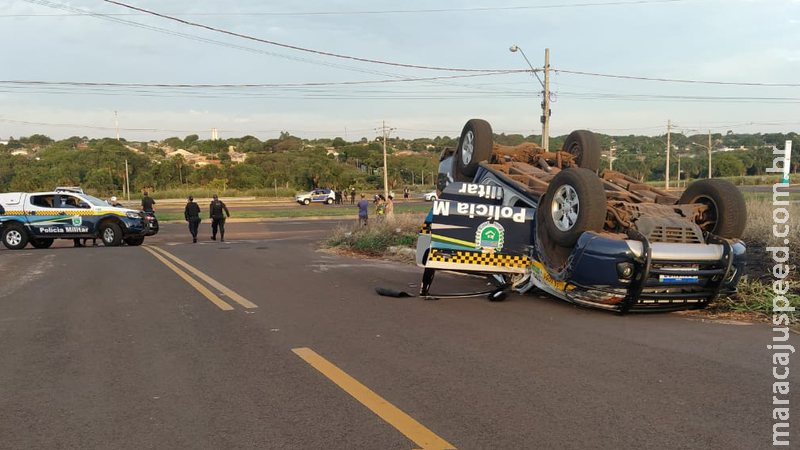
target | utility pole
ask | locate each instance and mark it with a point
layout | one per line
(709, 154)
(546, 103)
(385, 130)
(666, 178)
(116, 123)
(127, 180)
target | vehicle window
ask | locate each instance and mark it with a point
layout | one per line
(42, 201)
(95, 201)
(68, 201)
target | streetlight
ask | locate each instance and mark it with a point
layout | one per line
(545, 119)
(709, 153)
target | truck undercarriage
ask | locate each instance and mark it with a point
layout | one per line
(547, 220)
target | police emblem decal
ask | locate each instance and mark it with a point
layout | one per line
(77, 221)
(489, 237)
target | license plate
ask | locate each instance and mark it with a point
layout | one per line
(678, 279)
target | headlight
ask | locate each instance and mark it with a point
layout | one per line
(133, 215)
(625, 270)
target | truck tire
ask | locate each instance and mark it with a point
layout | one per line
(133, 241)
(42, 242)
(474, 147)
(727, 213)
(14, 236)
(584, 145)
(110, 234)
(575, 202)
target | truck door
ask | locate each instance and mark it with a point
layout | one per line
(78, 220)
(44, 218)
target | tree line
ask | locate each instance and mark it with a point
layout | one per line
(292, 163)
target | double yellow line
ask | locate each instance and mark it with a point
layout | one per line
(165, 257)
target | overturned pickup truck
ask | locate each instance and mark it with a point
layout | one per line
(535, 219)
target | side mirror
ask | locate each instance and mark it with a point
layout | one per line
(83, 205)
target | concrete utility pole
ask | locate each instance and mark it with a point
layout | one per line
(709, 153)
(545, 117)
(385, 130)
(116, 123)
(546, 102)
(127, 180)
(666, 178)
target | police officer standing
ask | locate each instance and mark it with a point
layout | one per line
(147, 203)
(218, 218)
(192, 215)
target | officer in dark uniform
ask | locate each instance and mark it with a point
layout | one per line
(147, 203)
(218, 218)
(192, 215)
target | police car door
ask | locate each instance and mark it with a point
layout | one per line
(44, 218)
(78, 215)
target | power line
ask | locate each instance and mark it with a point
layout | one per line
(674, 80)
(379, 12)
(250, 85)
(289, 46)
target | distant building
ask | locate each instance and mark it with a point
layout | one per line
(19, 152)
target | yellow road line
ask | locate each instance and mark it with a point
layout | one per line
(202, 289)
(404, 423)
(212, 282)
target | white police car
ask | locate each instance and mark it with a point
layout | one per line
(41, 217)
(320, 195)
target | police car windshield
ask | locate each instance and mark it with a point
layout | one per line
(95, 201)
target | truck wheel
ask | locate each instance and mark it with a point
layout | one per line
(14, 236)
(110, 234)
(575, 202)
(134, 240)
(727, 212)
(474, 147)
(583, 144)
(42, 243)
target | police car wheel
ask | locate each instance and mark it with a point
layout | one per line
(110, 234)
(328, 201)
(306, 201)
(15, 237)
(42, 243)
(575, 201)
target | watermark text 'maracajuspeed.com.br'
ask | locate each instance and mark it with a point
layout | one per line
(781, 303)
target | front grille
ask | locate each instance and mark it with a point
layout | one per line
(682, 235)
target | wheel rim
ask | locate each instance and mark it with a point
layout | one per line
(565, 208)
(14, 237)
(108, 235)
(467, 147)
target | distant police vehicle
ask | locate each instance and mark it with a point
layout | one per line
(67, 213)
(321, 195)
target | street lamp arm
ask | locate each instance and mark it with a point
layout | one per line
(534, 71)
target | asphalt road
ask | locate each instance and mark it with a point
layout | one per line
(106, 348)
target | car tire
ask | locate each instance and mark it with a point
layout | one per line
(433, 198)
(584, 145)
(14, 236)
(328, 201)
(306, 202)
(727, 213)
(42, 242)
(134, 241)
(474, 147)
(575, 201)
(110, 234)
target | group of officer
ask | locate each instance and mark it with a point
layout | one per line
(218, 212)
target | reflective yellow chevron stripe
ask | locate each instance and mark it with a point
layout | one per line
(478, 258)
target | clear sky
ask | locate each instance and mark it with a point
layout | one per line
(313, 95)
